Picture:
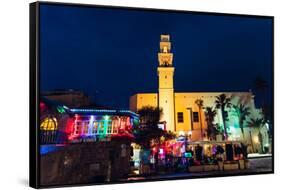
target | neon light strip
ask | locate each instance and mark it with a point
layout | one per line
(104, 110)
(92, 110)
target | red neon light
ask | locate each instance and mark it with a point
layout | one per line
(69, 127)
(43, 106)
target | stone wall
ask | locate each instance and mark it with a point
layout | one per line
(92, 162)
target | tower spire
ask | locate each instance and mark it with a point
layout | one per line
(165, 57)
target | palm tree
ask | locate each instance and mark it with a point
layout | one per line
(242, 113)
(260, 84)
(200, 103)
(222, 102)
(210, 115)
(257, 123)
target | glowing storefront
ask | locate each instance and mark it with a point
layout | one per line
(94, 123)
(59, 124)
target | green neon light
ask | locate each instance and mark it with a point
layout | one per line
(60, 109)
(105, 126)
(106, 117)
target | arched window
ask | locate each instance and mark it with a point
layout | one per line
(49, 124)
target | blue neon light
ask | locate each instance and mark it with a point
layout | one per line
(104, 111)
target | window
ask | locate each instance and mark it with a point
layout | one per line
(195, 117)
(115, 125)
(109, 127)
(128, 122)
(77, 128)
(86, 127)
(101, 127)
(49, 124)
(95, 127)
(123, 123)
(180, 117)
(165, 39)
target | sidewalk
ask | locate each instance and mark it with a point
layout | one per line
(258, 164)
(201, 174)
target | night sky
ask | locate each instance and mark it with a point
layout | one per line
(111, 54)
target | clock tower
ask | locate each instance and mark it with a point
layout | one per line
(166, 83)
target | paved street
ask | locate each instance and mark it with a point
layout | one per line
(258, 165)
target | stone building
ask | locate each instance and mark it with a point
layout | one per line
(180, 112)
(84, 145)
(70, 98)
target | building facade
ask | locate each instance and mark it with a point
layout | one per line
(70, 98)
(180, 111)
(84, 145)
(93, 124)
(60, 124)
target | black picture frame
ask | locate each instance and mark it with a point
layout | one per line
(34, 92)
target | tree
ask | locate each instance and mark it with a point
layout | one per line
(200, 104)
(242, 113)
(147, 133)
(257, 123)
(222, 102)
(150, 115)
(210, 115)
(261, 85)
(148, 129)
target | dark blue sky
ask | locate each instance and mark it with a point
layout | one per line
(111, 54)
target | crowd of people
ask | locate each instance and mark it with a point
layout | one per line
(196, 155)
